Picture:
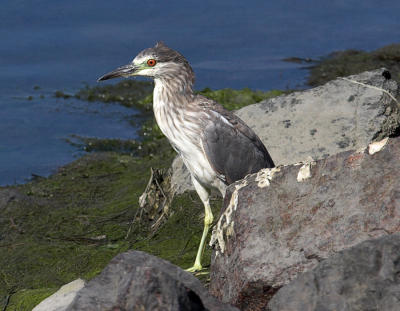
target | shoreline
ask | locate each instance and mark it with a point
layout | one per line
(70, 224)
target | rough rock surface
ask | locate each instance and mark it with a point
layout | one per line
(138, 281)
(281, 222)
(335, 117)
(338, 116)
(364, 277)
(180, 179)
(60, 300)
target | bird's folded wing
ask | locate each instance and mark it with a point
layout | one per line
(231, 147)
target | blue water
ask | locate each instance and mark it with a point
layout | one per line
(59, 45)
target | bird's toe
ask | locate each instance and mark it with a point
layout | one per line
(195, 268)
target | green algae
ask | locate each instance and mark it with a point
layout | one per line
(92, 144)
(61, 94)
(236, 99)
(129, 93)
(349, 62)
(28, 299)
(71, 224)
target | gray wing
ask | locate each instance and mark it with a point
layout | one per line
(231, 147)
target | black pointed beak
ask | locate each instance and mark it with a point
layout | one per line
(123, 71)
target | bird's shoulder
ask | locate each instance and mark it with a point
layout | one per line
(217, 111)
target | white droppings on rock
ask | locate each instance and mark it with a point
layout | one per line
(225, 224)
(305, 170)
(377, 146)
(265, 175)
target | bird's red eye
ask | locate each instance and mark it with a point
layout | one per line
(151, 62)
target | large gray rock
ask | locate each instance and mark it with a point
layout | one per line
(338, 116)
(180, 179)
(138, 281)
(281, 222)
(335, 117)
(364, 277)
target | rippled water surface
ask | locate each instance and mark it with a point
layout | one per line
(59, 45)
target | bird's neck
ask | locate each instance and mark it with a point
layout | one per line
(176, 91)
(173, 106)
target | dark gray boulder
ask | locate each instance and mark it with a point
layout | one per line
(364, 277)
(138, 281)
(281, 222)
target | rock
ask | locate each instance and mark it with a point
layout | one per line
(138, 281)
(60, 300)
(180, 180)
(280, 222)
(364, 277)
(338, 116)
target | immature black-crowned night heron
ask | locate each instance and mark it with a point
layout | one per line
(216, 146)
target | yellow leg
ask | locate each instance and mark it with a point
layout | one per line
(208, 219)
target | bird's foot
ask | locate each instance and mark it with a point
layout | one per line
(195, 268)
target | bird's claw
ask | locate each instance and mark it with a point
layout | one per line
(195, 268)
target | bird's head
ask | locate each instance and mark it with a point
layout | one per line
(158, 62)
